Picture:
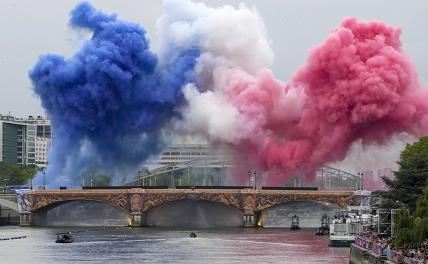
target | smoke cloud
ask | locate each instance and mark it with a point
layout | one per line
(357, 86)
(109, 102)
(112, 101)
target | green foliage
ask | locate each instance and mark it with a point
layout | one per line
(403, 227)
(413, 228)
(14, 174)
(411, 177)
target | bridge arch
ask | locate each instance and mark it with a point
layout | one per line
(9, 204)
(267, 201)
(55, 204)
(81, 212)
(201, 213)
(42, 201)
(155, 200)
(309, 212)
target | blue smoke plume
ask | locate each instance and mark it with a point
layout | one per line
(110, 101)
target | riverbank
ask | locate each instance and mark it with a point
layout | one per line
(359, 255)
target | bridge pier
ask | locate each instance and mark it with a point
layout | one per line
(25, 219)
(250, 220)
(136, 219)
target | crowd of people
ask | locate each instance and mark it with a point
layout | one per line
(374, 237)
(417, 251)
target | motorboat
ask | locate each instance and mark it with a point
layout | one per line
(294, 223)
(325, 228)
(64, 238)
(193, 235)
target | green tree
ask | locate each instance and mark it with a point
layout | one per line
(413, 228)
(411, 177)
(403, 228)
(15, 174)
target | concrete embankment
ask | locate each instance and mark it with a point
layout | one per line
(359, 255)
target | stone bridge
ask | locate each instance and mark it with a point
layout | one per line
(137, 201)
(9, 201)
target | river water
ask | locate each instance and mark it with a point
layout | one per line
(155, 245)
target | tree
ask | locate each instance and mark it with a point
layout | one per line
(411, 177)
(15, 174)
(413, 228)
(403, 228)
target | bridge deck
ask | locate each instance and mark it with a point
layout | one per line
(173, 191)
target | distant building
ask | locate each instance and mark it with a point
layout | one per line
(25, 141)
(211, 166)
(181, 153)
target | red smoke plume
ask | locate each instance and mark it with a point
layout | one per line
(358, 84)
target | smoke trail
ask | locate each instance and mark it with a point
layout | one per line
(109, 102)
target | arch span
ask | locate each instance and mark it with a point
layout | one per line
(81, 212)
(9, 204)
(193, 213)
(53, 197)
(308, 211)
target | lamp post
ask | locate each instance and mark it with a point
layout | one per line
(255, 179)
(249, 178)
(4, 186)
(44, 183)
(361, 176)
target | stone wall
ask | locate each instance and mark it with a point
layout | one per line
(359, 255)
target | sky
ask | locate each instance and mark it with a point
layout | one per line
(32, 28)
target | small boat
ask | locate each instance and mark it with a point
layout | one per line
(324, 229)
(294, 223)
(64, 238)
(193, 235)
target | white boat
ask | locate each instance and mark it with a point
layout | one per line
(344, 228)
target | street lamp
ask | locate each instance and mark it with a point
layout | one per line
(361, 176)
(249, 178)
(44, 183)
(255, 179)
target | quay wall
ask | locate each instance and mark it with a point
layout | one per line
(359, 255)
